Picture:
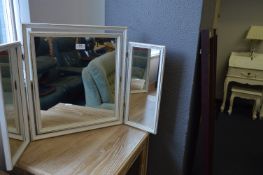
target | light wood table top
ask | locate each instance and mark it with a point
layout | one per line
(105, 151)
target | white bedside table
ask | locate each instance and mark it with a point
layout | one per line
(243, 69)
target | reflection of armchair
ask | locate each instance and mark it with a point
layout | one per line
(139, 67)
(99, 81)
(139, 73)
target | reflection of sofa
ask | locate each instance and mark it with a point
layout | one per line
(54, 85)
(99, 81)
(6, 78)
(69, 59)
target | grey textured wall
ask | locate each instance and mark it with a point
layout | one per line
(175, 24)
(89, 12)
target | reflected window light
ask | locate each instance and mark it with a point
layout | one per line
(155, 52)
(7, 23)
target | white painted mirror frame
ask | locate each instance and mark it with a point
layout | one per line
(121, 31)
(131, 45)
(10, 160)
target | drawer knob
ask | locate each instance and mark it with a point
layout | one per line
(249, 75)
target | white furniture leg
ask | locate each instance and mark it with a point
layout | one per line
(256, 108)
(225, 94)
(261, 113)
(232, 98)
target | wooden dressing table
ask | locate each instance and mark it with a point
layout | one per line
(242, 69)
(105, 151)
(110, 150)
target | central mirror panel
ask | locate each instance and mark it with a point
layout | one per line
(75, 80)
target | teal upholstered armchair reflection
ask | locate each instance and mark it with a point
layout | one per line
(139, 66)
(99, 81)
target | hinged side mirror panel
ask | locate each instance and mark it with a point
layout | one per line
(13, 110)
(144, 85)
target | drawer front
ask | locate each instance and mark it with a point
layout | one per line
(245, 73)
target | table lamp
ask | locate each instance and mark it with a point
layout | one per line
(255, 34)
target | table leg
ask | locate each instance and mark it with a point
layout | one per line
(225, 94)
(256, 109)
(144, 159)
(261, 108)
(261, 112)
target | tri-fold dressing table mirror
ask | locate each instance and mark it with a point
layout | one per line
(71, 78)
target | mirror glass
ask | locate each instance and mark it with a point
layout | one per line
(12, 93)
(145, 79)
(75, 79)
(10, 103)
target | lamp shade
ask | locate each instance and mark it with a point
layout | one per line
(255, 33)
